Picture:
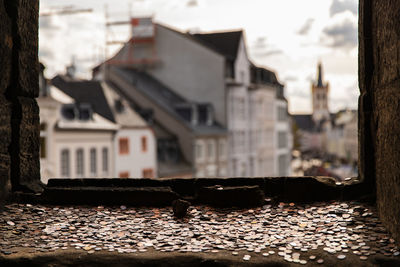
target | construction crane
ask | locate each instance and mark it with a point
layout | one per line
(67, 10)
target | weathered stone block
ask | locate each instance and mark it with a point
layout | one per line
(141, 196)
(5, 140)
(28, 32)
(5, 121)
(231, 196)
(379, 79)
(4, 178)
(26, 132)
(180, 207)
(6, 45)
(385, 41)
(388, 155)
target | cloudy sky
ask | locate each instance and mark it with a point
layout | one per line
(287, 36)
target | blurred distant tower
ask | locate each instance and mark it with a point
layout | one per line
(320, 97)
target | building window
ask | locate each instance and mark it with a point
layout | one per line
(144, 144)
(123, 146)
(282, 114)
(222, 172)
(199, 150)
(282, 140)
(93, 162)
(79, 163)
(65, 163)
(282, 165)
(148, 173)
(242, 108)
(222, 149)
(124, 175)
(211, 150)
(105, 160)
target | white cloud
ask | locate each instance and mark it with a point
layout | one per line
(274, 24)
(339, 6)
(342, 32)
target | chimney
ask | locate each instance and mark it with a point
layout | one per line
(71, 69)
(195, 115)
(210, 115)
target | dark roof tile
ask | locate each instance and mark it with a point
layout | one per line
(225, 43)
(85, 92)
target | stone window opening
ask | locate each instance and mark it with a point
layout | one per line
(378, 105)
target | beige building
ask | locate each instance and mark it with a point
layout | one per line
(75, 141)
(342, 137)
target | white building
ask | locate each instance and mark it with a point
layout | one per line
(75, 141)
(214, 68)
(283, 137)
(134, 143)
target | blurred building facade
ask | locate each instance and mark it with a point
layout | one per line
(211, 70)
(324, 132)
(342, 137)
(88, 130)
(75, 141)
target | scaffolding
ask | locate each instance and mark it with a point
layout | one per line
(139, 51)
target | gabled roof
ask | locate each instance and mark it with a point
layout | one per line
(225, 43)
(85, 92)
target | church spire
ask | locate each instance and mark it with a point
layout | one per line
(319, 84)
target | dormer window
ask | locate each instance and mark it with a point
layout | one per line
(85, 112)
(119, 106)
(69, 112)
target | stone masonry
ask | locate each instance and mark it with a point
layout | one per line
(19, 112)
(379, 108)
(379, 105)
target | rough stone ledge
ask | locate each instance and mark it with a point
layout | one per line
(211, 191)
(153, 258)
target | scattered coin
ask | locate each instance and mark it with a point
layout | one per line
(288, 229)
(246, 257)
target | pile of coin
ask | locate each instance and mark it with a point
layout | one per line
(288, 230)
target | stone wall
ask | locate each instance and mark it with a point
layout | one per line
(19, 112)
(379, 105)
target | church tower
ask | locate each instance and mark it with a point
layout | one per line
(320, 97)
